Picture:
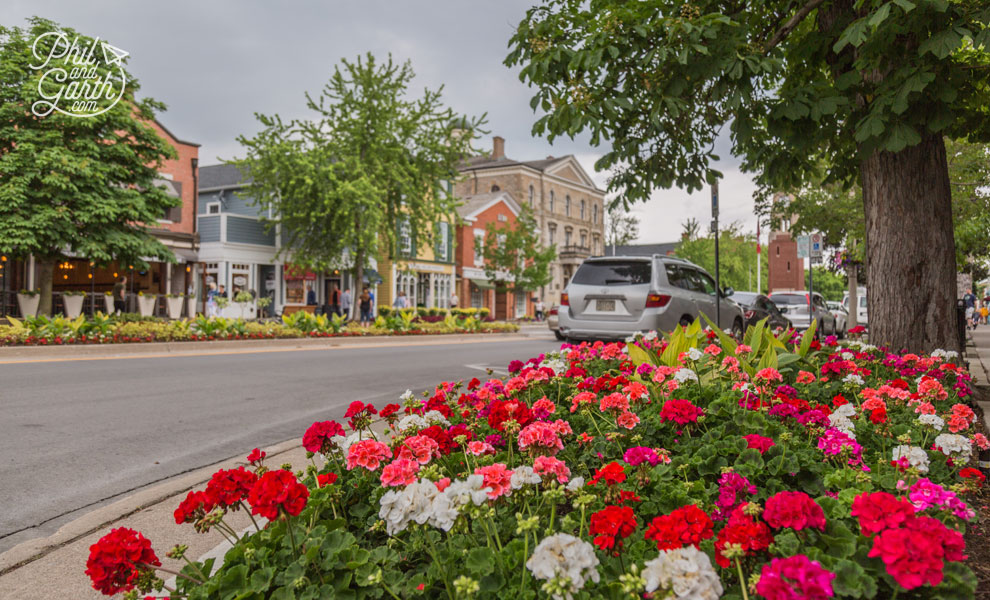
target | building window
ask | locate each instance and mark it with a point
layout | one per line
(594, 212)
(479, 240)
(442, 248)
(477, 300)
(788, 266)
(584, 240)
(567, 237)
(778, 250)
(405, 237)
(532, 195)
(551, 200)
(567, 205)
(582, 208)
(553, 234)
(495, 188)
(213, 208)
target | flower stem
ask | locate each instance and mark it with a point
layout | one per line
(742, 580)
(172, 572)
(292, 536)
(248, 511)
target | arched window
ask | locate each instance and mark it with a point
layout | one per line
(551, 200)
(532, 193)
(567, 205)
(495, 188)
(594, 212)
(582, 208)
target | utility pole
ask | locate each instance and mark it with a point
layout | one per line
(759, 282)
(811, 283)
(718, 284)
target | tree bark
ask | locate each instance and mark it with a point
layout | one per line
(46, 274)
(911, 271)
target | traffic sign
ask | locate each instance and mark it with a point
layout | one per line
(803, 245)
(816, 245)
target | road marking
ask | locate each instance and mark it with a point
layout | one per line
(182, 354)
(495, 370)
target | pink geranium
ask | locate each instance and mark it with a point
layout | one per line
(497, 477)
(419, 448)
(548, 466)
(367, 454)
(477, 448)
(795, 578)
(540, 435)
(401, 471)
(617, 402)
(627, 420)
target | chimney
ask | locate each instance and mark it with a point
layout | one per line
(498, 147)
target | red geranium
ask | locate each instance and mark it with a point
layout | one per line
(326, 479)
(915, 553)
(755, 440)
(685, 525)
(501, 411)
(974, 474)
(389, 410)
(278, 490)
(681, 412)
(743, 533)
(612, 474)
(118, 559)
(228, 487)
(795, 510)
(878, 415)
(359, 414)
(193, 508)
(879, 510)
(256, 456)
(610, 525)
(441, 437)
(317, 437)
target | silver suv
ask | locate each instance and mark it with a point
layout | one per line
(617, 296)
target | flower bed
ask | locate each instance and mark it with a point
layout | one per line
(103, 329)
(688, 467)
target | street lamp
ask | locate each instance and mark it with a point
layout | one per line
(92, 288)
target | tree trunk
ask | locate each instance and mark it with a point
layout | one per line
(358, 285)
(46, 274)
(911, 270)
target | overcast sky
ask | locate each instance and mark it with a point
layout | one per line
(215, 63)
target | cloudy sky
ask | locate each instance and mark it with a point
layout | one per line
(217, 62)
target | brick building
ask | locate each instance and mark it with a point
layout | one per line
(785, 269)
(565, 202)
(474, 289)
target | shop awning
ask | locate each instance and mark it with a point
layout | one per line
(483, 284)
(372, 277)
(184, 255)
(292, 272)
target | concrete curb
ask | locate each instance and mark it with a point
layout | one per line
(148, 349)
(103, 517)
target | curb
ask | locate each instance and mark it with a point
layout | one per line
(148, 349)
(101, 518)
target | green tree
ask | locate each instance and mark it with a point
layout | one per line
(827, 282)
(514, 258)
(690, 229)
(620, 227)
(737, 257)
(71, 185)
(868, 87)
(371, 167)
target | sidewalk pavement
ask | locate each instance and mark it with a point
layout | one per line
(54, 567)
(978, 355)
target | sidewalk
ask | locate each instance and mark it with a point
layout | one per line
(54, 567)
(978, 355)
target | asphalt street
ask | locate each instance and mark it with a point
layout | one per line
(75, 435)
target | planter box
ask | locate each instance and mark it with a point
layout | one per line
(190, 307)
(146, 305)
(240, 310)
(73, 305)
(28, 304)
(108, 301)
(174, 306)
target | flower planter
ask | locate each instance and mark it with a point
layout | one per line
(190, 307)
(240, 310)
(73, 305)
(174, 306)
(146, 305)
(28, 304)
(108, 301)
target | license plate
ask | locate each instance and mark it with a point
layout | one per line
(605, 305)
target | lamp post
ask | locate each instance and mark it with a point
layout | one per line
(92, 288)
(718, 284)
(3, 285)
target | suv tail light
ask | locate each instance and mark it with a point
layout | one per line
(564, 299)
(748, 314)
(553, 311)
(657, 300)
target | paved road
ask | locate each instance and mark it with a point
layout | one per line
(76, 435)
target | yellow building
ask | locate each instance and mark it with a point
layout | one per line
(424, 271)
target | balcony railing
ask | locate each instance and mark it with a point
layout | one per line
(573, 251)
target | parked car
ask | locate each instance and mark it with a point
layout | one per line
(554, 323)
(617, 296)
(797, 306)
(757, 307)
(841, 317)
(861, 316)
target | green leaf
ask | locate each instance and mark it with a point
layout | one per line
(906, 5)
(806, 339)
(853, 581)
(880, 15)
(480, 561)
(900, 137)
(638, 356)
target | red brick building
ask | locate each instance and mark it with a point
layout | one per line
(785, 269)
(472, 285)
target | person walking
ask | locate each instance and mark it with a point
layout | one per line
(539, 309)
(222, 292)
(120, 295)
(211, 301)
(969, 300)
(311, 296)
(454, 300)
(400, 301)
(983, 314)
(364, 305)
(345, 303)
(334, 301)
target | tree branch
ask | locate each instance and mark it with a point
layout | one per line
(792, 23)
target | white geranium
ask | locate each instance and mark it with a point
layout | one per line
(523, 475)
(944, 354)
(467, 491)
(565, 562)
(575, 484)
(406, 396)
(631, 339)
(556, 364)
(650, 335)
(413, 503)
(843, 424)
(916, 457)
(934, 421)
(853, 379)
(435, 417)
(411, 422)
(694, 354)
(954, 444)
(847, 355)
(687, 572)
(345, 443)
(846, 410)
(684, 374)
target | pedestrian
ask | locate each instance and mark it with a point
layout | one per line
(211, 300)
(334, 301)
(310, 296)
(364, 304)
(983, 314)
(454, 300)
(222, 292)
(400, 301)
(120, 295)
(539, 309)
(345, 303)
(969, 300)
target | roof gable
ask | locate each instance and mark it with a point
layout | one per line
(569, 168)
(479, 203)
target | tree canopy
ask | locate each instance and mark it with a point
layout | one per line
(621, 227)
(370, 162)
(73, 185)
(737, 257)
(513, 253)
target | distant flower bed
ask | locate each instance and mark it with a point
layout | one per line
(692, 466)
(113, 329)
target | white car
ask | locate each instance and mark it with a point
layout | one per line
(841, 317)
(861, 316)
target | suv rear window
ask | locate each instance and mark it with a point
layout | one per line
(614, 272)
(789, 299)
